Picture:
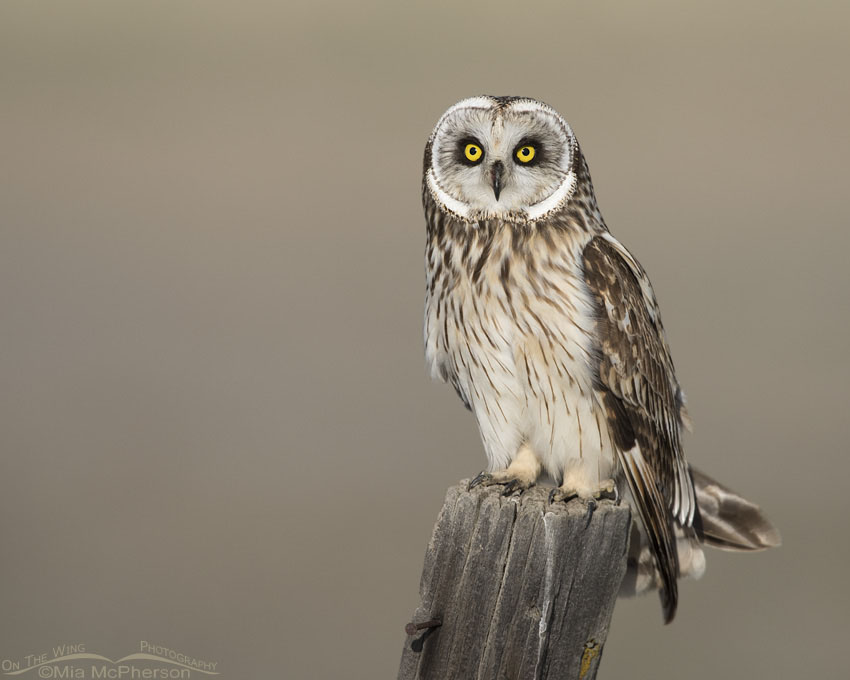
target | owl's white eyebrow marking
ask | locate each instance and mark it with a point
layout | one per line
(483, 103)
(471, 103)
(529, 105)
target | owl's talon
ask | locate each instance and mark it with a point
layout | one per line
(591, 508)
(481, 478)
(614, 497)
(514, 486)
(608, 491)
(559, 494)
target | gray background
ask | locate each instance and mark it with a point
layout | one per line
(217, 431)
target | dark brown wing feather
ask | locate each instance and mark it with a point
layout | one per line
(643, 401)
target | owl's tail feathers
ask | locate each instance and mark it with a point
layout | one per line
(729, 521)
(724, 520)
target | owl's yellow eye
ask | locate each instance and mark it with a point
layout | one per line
(473, 153)
(524, 154)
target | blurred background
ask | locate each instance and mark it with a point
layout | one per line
(217, 431)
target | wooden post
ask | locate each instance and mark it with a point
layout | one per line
(522, 590)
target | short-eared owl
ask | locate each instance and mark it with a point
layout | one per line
(550, 333)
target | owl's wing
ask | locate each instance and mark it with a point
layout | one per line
(643, 400)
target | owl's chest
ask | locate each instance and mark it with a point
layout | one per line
(518, 325)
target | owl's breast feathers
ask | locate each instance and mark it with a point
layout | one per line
(505, 296)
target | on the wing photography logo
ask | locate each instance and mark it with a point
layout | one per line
(76, 662)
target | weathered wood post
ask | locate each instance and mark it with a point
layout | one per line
(522, 590)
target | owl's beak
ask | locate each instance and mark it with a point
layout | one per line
(497, 171)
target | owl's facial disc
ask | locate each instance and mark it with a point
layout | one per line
(501, 158)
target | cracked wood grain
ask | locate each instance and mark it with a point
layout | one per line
(523, 589)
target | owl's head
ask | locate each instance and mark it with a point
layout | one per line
(501, 157)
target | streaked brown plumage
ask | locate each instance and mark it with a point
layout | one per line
(548, 329)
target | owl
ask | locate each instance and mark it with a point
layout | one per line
(550, 333)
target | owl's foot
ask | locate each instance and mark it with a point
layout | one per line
(513, 484)
(562, 494)
(518, 477)
(607, 491)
